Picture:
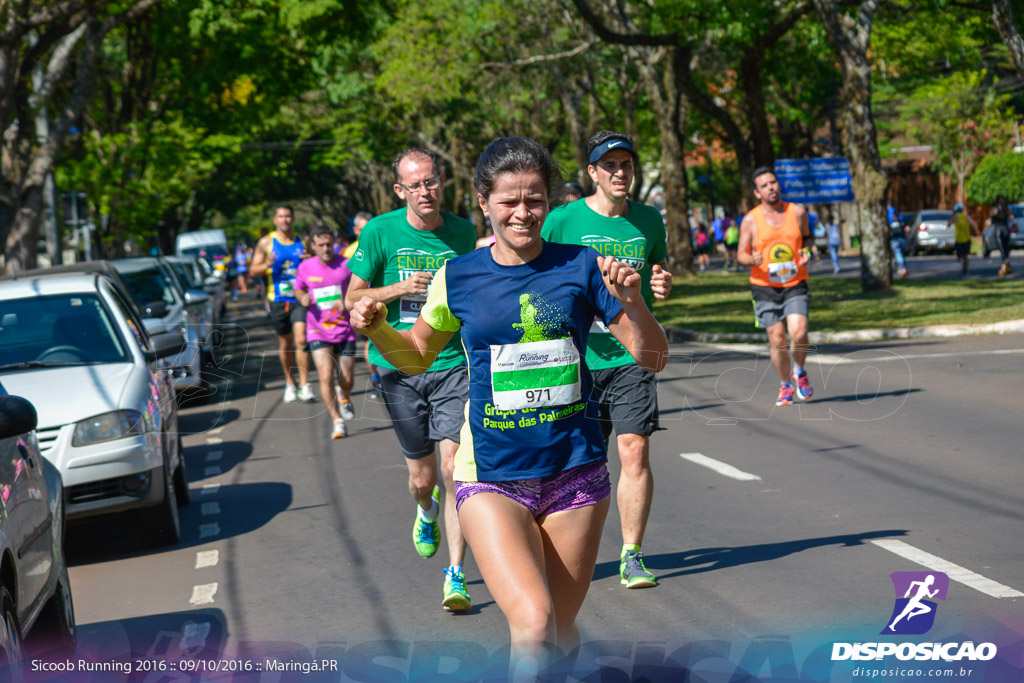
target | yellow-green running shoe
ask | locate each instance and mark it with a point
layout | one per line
(633, 572)
(426, 536)
(456, 598)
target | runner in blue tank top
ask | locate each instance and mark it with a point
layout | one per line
(531, 482)
(277, 256)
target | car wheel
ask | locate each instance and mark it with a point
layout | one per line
(12, 654)
(181, 478)
(163, 524)
(55, 629)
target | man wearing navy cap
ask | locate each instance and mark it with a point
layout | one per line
(634, 233)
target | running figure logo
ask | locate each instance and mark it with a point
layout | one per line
(540, 321)
(914, 614)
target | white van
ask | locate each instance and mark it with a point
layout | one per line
(210, 245)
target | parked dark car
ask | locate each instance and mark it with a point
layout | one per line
(35, 594)
(931, 232)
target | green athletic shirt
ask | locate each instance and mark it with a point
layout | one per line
(390, 250)
(638, 239)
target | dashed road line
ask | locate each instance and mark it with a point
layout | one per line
(214, 440)
(203, 594)
(208, 530)
(214, 455)
(193, 636)
(207, 558)
(209, 508)
(722, 468)
(211, 471)
(209, 489)
(954, 571)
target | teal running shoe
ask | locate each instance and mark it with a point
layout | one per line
(456, 597)
(426, 536)
(633, 572)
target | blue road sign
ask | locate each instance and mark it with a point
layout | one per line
(815, 181)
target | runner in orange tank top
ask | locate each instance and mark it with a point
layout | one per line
(775, 240)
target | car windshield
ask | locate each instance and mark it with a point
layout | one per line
(208, 251)
(62, 329)
(931, 216)
(186, 274)
(148, 286)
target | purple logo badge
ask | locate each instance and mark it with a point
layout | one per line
(914, 611)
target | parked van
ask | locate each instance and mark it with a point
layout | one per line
(210, 245)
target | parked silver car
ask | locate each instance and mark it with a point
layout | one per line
(35, 595)
(931, 231)
(163, 303)
(108, 420)
(192, 276)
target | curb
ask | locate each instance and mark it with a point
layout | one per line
(679, 334)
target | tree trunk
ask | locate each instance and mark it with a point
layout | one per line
(850, 37)
(21, 248)
(1002, 18)
(671, 110)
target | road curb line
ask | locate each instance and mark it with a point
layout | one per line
(679, 334)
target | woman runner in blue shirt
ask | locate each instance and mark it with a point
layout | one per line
(531, 482)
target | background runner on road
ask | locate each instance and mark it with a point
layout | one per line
(398, 254)
(627, 394)
(775, 240)
(320, 286)
(278, 255)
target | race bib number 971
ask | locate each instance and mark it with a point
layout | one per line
(535, 374)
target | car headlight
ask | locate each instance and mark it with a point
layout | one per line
(108, 426)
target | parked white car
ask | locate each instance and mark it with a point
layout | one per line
(211, 245)
(75, 347)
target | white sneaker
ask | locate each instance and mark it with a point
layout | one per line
(289, 394)
(306, 393)
(340, 431)
(345, 406)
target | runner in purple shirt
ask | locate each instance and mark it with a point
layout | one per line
(320, 286)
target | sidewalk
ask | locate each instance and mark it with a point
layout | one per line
(919, 267)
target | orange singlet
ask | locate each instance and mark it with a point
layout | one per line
(780, 247)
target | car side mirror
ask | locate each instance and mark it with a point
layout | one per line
(166, 344)
(194, 296)
(212, 284)
(17, 416)
(157, 309)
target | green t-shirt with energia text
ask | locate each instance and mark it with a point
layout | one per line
(637, 238)
(390, 250)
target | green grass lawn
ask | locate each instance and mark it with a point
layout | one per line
(720, 302)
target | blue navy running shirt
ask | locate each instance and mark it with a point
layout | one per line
(524, 329)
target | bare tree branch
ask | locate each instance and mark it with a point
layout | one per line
(607, 34)
(526, 61)
(57, 65)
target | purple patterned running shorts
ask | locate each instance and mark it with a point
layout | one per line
(576, 488)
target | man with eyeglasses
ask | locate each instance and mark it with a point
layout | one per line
(633, 233)
(398, 254)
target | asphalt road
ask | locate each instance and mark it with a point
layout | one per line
(774, 529)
